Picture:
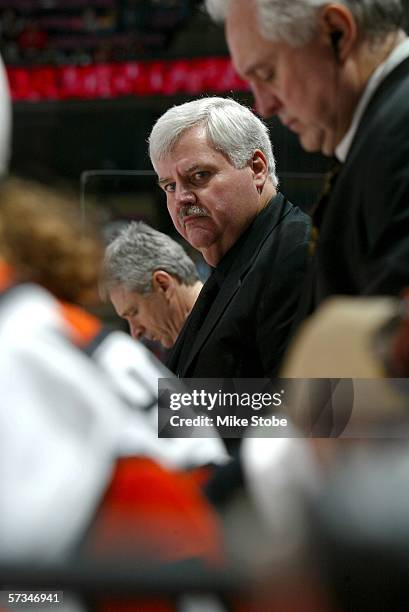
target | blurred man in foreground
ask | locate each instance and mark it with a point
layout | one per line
(215, 163)
(337, 74)
(67, 477)
(151, 282)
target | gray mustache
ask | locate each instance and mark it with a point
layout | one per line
(192, 210)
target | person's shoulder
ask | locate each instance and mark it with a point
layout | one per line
(293, 214)
(281, 211)
(27, 310)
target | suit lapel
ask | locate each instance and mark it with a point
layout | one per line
(311, 290)
(224, 297)
(257, 234)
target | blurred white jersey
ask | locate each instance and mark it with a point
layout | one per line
(134, 371)
(63, 424)
(60, 425)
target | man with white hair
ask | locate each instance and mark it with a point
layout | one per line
(214, 161)
(337, 74)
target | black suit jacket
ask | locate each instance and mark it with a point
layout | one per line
(363, 248)
(245, 330)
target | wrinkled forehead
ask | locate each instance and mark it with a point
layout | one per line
(192, 148)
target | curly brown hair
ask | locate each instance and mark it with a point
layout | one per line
(44, 239)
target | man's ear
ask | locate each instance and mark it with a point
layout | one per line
(340, 27)
(162, 282)
(259, 166)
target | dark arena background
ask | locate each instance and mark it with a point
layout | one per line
(89, 79)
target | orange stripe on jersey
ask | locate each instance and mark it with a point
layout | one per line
(7, 277)
(83, 326)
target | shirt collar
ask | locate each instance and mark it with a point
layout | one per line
(397, 56)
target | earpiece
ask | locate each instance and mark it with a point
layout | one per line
(335, 37)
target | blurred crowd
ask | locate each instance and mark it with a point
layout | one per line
(58, 33)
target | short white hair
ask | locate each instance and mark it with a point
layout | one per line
(232, 129)
(294, 21)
